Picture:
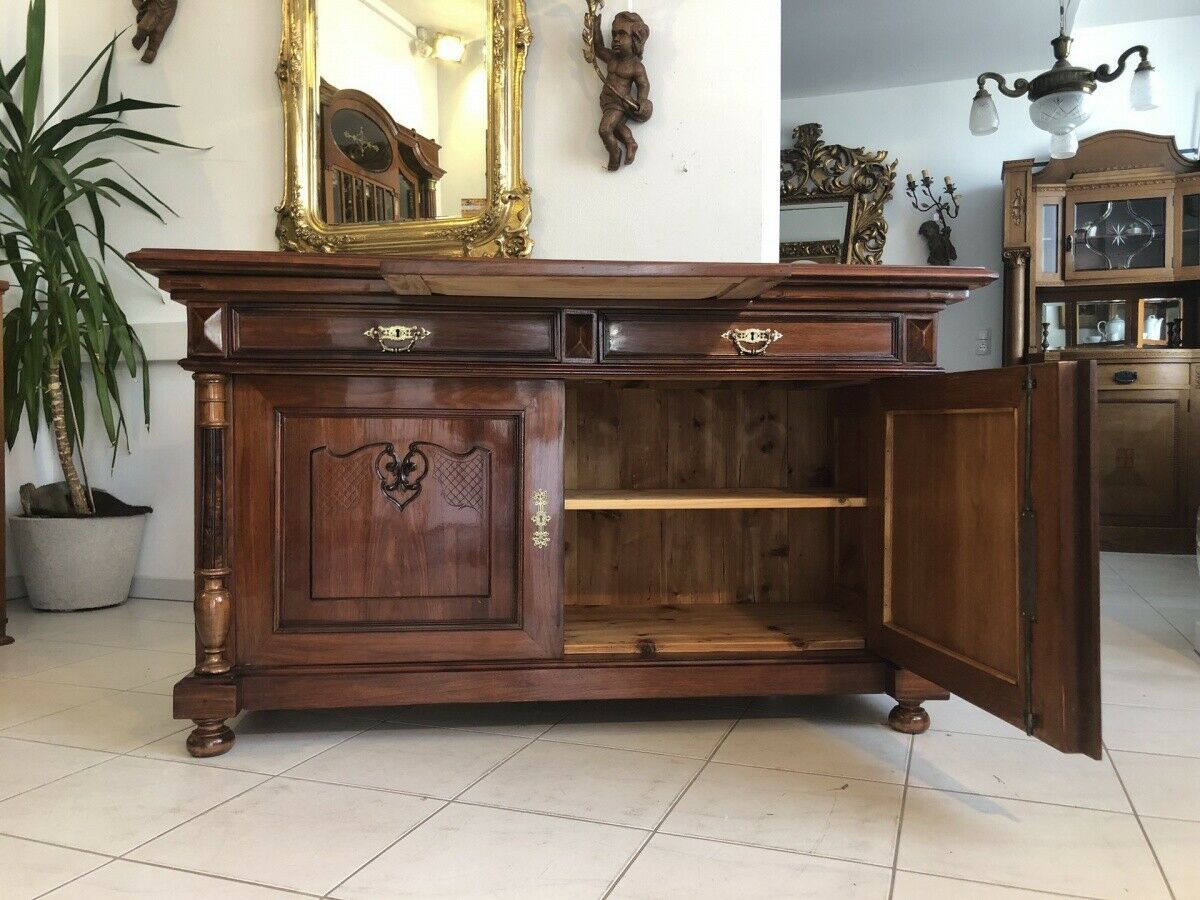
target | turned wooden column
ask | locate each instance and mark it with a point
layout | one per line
(213, 605)
(1016, 280)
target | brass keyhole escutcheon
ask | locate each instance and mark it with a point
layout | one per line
(752, 341)
(397, 338)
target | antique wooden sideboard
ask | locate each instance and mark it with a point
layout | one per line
(441, 481)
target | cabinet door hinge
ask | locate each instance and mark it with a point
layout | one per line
(1027, 558)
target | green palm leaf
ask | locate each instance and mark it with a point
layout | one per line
(55, 182)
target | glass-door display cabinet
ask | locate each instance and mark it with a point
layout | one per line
(1102, 261)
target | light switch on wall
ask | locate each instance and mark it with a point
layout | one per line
(983, 342)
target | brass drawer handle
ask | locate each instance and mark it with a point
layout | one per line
(752, 341)
(407, 335)
(541, 518)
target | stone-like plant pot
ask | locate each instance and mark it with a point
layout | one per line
(77, 563)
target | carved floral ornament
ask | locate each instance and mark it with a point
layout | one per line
(501, 229)
(813, 170)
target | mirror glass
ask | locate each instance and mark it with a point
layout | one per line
(404, 109)
(814, 231)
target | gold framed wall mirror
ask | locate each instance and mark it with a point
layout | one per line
(831, 200)
(402, 127)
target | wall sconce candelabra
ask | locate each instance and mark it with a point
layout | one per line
(945, 205)
(1061, 97)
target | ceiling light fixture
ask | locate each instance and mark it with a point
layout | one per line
(1062, 95)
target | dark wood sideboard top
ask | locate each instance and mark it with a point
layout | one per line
(255, 271)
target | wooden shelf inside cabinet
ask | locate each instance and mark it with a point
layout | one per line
(708, 630)
(733, 498)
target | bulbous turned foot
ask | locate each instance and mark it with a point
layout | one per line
(909, 718)
(6, 639)
(211, 737)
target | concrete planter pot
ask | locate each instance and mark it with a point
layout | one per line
(73, 563)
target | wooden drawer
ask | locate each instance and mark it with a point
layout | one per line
(1132, 376)
(792, 337)
(440, 333)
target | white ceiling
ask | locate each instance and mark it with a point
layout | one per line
(464, 17)
(859, 45)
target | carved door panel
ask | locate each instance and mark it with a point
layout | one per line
(1141, 439)
(397, 520)
(982, 562)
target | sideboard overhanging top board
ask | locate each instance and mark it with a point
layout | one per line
(253, 271)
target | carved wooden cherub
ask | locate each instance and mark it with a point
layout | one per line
(618, 105)
(154, 17)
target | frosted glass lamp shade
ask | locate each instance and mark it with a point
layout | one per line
(1144, 90)
(1061, 112)
(1063, 146)
(984, 118)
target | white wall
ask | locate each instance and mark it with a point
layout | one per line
(462, 131)
(703, 188)
(925, 127)
(368, 46)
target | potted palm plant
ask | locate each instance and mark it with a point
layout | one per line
(67, 339)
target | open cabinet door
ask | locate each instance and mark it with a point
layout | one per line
(982, 542)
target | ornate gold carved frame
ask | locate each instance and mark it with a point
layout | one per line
(814, 172)
(501, 229)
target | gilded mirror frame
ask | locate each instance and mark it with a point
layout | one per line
(500, 229)
(815, 172)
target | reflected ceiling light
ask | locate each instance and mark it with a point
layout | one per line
(438, 44)
(1062, 95)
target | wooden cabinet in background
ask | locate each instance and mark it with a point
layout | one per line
(441, 481)
(1102, 262)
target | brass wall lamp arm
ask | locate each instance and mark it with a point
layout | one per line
(1019, 88)
(1104, 73)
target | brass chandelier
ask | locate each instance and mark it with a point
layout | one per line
(1062, 95)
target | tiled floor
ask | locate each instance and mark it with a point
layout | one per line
(773, 798)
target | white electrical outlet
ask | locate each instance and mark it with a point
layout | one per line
(983, 342)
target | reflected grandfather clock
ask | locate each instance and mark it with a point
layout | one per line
(1102, 261)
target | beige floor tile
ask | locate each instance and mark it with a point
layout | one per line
(21, 701)
(163, 686)
(674, 867)
(1146, 681)
(271, 742)
(870, 709)
(25, 765)
(914, 886)
(1141, 628)
(299, 835)
(1019, 770)
(824, 746)
(490, 854)
(959, 716)
(29, 656)
(120, 880)
(117, 805)
(817, 814)
(117, 627)
(1178, 847)
(677, 728)
(1174, 732)
(436, 762)
(1036, 846)
(29, 869)
(120, 670)
(621, 787)
(117, 723)
(162, 610)
(527, 720)
(1163, 786)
